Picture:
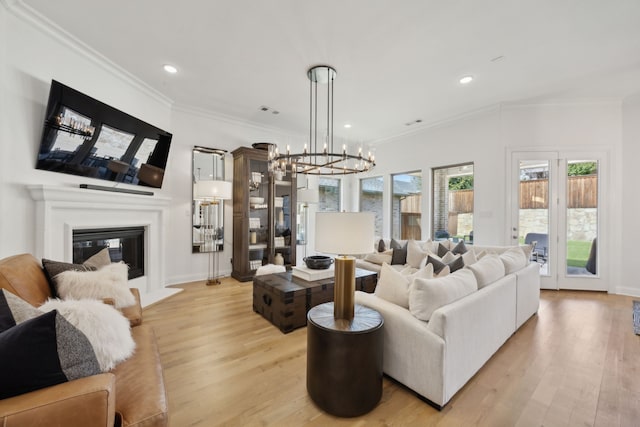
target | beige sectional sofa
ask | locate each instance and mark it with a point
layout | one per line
(435, 356)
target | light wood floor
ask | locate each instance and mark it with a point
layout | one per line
(576, 363)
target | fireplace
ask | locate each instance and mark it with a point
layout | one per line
(124, 244)
(61, 210)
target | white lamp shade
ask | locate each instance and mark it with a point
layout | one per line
(307, 195)
(219, 190)
(344, 233)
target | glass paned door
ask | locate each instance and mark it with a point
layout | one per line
(557, 207)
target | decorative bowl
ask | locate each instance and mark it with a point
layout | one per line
(318, 262)
(256, 200)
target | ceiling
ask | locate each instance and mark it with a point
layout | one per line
(396, 61)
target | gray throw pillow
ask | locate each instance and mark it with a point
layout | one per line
(399, 252)
(460, 248)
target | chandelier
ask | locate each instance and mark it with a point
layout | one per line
(312, 160)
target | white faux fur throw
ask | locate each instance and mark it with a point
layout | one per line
(106, 328)
(110, 281)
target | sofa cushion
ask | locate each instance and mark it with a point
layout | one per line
(514, 259)
(487, 270)
(105, 327)
(428, 295)
(399, 252)
(41, 352)
(140, 396)
(107, 282)
(393, 285)
(14, 310)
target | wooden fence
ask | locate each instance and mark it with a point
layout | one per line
(582, 192)
(461, 201)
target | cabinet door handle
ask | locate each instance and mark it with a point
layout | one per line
(267, 299)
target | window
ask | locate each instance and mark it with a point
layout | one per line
(329, 194)
(66, 141)
(112, 143)
(453, 203)
(145, 150)
(406, 191)
(371, 199)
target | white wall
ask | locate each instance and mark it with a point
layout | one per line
(630, 231)
(32, 57)
(474, 139)
(197, 128)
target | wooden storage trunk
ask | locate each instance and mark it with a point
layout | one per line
(284, 300)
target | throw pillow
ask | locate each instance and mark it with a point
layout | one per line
(108, 282)
(98, 260)
(14, 310)
(438, 265)
(442, 250)
(393, 285)
(381, 246)
(469, 258)
(460, 248)
(449, 257)
(428, 295)
(415, 254)
(106, 328)
(431, 246)
(53, 268)
(487, 270)
(513, 259)
(379, 257)
(42, 352)
(527, 249)
(399, 252)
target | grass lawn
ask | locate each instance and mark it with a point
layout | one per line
(577, 253)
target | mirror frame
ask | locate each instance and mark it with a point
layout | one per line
(207, 217)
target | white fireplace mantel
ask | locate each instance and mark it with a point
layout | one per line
(60, 210)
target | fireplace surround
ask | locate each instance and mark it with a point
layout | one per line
(62, 210)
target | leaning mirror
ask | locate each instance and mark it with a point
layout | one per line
(208, 210)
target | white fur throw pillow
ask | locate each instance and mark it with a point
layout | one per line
(428, 295)
(109, 281)
(106, 328)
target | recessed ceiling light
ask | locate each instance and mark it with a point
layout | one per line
(347, 125)
(466, 80)
(170, 69)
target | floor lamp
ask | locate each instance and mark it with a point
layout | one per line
(213, 193)
(306, 196)
(344, 233)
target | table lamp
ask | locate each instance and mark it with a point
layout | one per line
(344, 233)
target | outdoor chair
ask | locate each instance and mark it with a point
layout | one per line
(541, 247)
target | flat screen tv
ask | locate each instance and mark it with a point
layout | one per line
(83, 136)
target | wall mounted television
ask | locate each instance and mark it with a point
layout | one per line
(83, 136)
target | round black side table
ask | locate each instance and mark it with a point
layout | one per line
(344, 360)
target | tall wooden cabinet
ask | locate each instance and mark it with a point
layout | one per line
(264, 214)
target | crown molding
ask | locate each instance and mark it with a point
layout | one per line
(30, 16)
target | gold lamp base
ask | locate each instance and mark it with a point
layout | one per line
(344, 288)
